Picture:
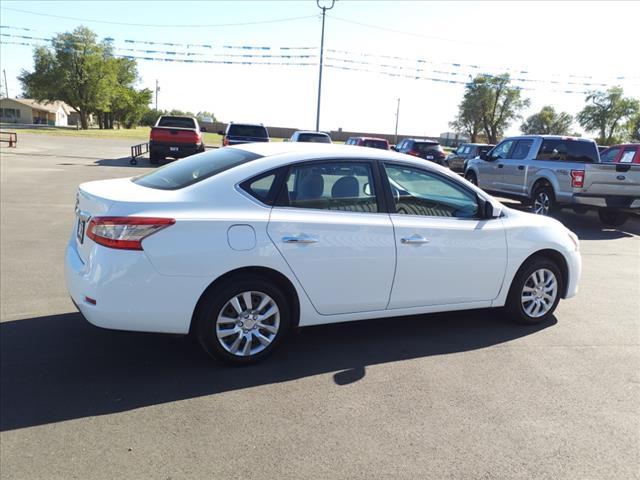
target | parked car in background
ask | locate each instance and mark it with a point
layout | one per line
(310, 137)
(304, 234)
(551, 172)
(372, 142)
(238, 133)
(175, 137)
(428, 149)
(625, 153)
(457, 161)
(601, 148)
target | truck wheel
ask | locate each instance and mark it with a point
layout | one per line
(471, 178)
(613, 219)
(154, 158)
(544, 200)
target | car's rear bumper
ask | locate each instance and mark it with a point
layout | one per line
(129, 293)
(611, 202)
(175, 150)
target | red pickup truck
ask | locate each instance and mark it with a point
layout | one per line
(175, 137)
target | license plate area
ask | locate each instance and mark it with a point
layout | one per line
(173, 149)
(429, 157)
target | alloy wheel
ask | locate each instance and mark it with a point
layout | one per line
(248, 323)
(539, 293)
(542, 203)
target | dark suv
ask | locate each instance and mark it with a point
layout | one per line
(238, 133)
(428, 149)
(457, 161)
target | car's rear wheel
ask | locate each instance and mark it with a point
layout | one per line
(471, 178)
(544, 200)
(154, 158)
(535, 291)
(613, 219)
(243, 321)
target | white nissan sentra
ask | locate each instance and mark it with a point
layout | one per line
(240, 244)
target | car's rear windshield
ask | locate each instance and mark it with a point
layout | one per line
(376, 144)
(247, 131)
(427, 146)
(314, 138)
(190, 170)
(179, 122)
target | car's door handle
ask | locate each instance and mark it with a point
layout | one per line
(520, 167)
(299, 239)
(414, 240)
(500, 165)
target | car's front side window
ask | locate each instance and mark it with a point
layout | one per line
(502, 150)
(341, 186)
(418, 192)
(521, 149)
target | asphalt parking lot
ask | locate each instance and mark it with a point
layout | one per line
(461, 395)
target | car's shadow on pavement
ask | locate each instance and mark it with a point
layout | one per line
(58, 368)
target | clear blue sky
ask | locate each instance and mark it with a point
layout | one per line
(551, 41)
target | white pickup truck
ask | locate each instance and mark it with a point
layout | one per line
(551, 172)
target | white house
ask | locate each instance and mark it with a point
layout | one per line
(28, 111)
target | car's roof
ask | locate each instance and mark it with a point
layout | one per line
(552, 137)
(250, 124)
(423, 140)
(621, 145)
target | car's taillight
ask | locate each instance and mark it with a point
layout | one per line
(225, 142)
(414, 153)
(125, 233)
(577, 178)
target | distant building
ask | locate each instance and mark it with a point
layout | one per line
(28, 111)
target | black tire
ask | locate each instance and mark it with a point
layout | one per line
(154, 158)
(515, 308)
(543, 200)
(471, 178)
(612, 218)
(217, 299)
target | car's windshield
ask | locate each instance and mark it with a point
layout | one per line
(178, 122)
(314, 138)
(247, 131)
(376, 144)
(188, 171)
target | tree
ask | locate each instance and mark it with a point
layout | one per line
(202, 115)
(469, 118)
(73, 70)
(607, 113)
(489, 103)
(633, 128)
(547, 122)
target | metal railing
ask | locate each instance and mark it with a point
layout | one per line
(12, 139)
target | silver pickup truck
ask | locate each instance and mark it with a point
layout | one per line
(550, 172)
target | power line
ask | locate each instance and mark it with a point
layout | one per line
(161, 25)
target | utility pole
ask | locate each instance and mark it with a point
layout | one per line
(157, 90)
(397, 117)
(6, 85)
(324, 11)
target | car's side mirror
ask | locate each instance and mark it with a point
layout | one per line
(484, 155)
(491, 211)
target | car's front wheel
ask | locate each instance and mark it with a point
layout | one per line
(242, 321)
(535, 291)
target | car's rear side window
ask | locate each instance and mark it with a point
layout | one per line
(565, 150)
(247, 131)
(262, 188)
(190, 170)
(178, 122)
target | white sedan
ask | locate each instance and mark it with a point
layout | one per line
(240, 244)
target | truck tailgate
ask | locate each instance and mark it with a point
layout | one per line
(175, 135)
(611, 179)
